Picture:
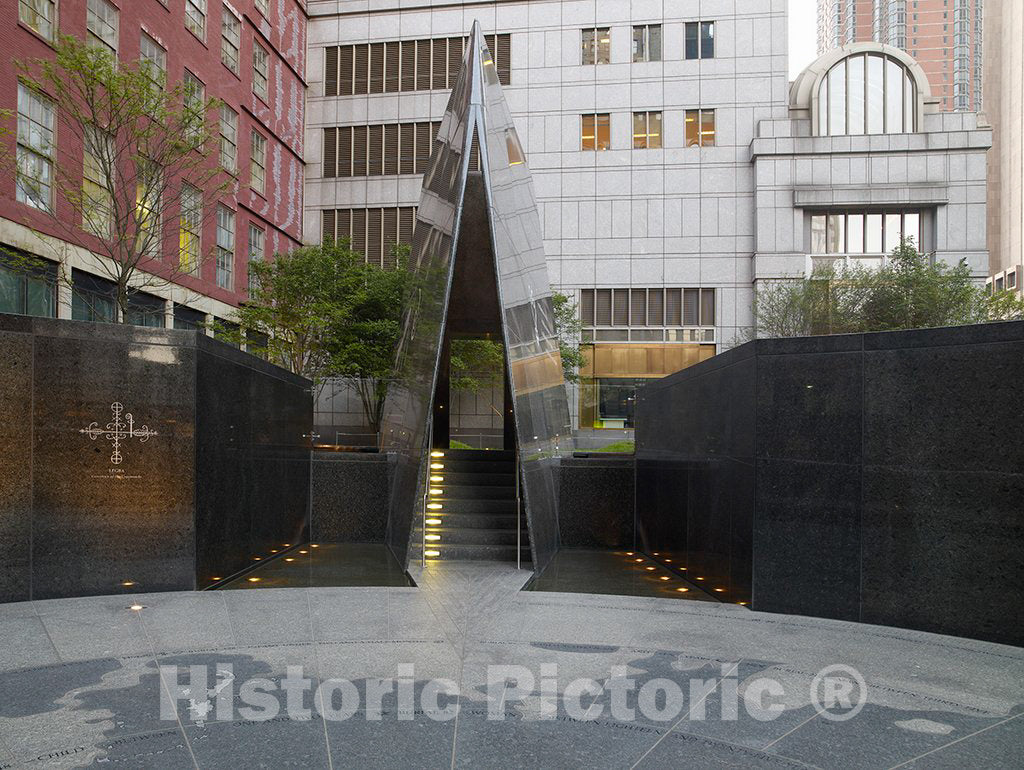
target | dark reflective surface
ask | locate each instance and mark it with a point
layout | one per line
(212, 458)
(619, 573)
(535, 372)
(325, 564)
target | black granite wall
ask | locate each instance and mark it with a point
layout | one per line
(595, 502)
(349, 497)
(225, 435)
(876, 477)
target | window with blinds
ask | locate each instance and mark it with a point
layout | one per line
(384, 149)
(371, 231)
(669, 307)
(406, 65)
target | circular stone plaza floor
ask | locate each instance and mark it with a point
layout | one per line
(82, 682)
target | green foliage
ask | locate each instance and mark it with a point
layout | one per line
(476, 364)
(322, 312)
(909, 292)
(568, 328)
(143, 141)
(619, 447)
(454, 444)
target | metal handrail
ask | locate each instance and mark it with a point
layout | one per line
(426, 494)
(519, 515)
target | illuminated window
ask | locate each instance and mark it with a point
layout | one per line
(147, 209)
(646, 130)
(700, 128)
(230, 39)
(596, 44)
(39, 15)
(195, 17)
(258, 163)
(225, 246)
(260, 70)
(647, 43)
(596, 131)
(35, 149)
(97, 163)
(190, 229)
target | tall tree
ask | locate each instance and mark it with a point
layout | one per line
(323, 312)
(569, 328)
(147, 159)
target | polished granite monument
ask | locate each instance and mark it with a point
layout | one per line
(868, 477)
(142, 459)
(478, 117)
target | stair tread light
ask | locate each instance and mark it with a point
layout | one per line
(431, 537)
(434, 506)
(433, 522)
(437, 454)
(436, 466)
(437, 478)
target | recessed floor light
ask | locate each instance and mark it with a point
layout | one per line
(682, 590)
(137, 607)
(254, 580)
(128, 583)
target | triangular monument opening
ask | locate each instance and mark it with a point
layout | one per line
(479, 267)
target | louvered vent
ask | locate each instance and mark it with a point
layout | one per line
(331, 70)
(331, 152)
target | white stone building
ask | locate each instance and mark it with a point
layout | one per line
(673, 167)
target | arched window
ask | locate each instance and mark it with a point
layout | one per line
(867, 93)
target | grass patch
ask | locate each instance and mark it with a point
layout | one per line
(623, 447)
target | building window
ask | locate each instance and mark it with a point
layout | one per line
(145, 310)
(92, 298)
(187, 319)
(406, 65)
(258, 163)
(596, 45)
(700, 40)
(147, 208)
(596, 131)
(230, 39)
(101, 25)
(372, 232)
(228, 138)
(190, 229)
(646, 130)
(381, 149)
(225, 246)
(153, 58)
(28, 289)
(700, 128)
(257, 239)
(195, 17)
(194, 106)
(263, 6)
(860, 238)
(260, 70)
(648, 315)
(647, 43)
(35, 149)
(97, 202)
(866, 94)
(40, 15)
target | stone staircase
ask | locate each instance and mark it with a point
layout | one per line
(472, 503)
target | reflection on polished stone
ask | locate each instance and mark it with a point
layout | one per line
(324, 564)
(620, 573)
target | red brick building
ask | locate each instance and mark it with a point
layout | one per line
(250, 54)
